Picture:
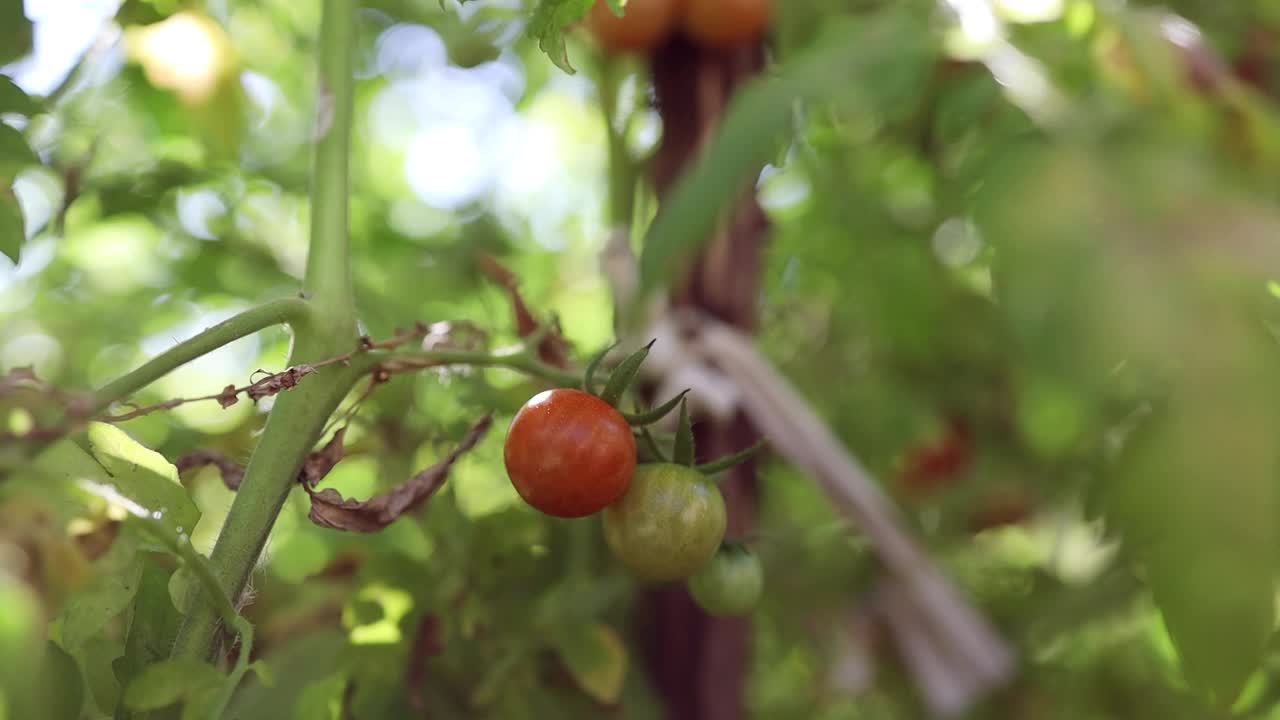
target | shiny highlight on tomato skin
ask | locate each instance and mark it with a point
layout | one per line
(569, 453)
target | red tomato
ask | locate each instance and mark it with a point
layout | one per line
(1003, 506)
(643, 26)
(930, 468)
(569, 453)
(726, 23)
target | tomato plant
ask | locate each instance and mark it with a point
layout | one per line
(731, 583)
(668, 524)
(726, 23)
(569, 453)
(643, 26)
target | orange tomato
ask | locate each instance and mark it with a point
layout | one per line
(726, 23)
(644, 25)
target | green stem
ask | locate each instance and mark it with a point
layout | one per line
(300, 414)
(622, 169)
(328, 277)
(285, 310)
(202, 570)
(521, 361)
(296, 420)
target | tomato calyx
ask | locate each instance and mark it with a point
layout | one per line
(729, 461)
(682, 451)
(621, 379)
(624, 375)
(649, 417)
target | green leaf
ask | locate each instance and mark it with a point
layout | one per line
(203, 704)
(23, 630)
(15, 154)
(56, 691)
(14, 100)
(169, 681)
(118, 575)
(96, 659)
(321, 700)
(154, 623)
(1111, 255)
(67, 462)
(876, 58)
(15, 32)
(144, 477)
(13, 232)
(1196, 496)
(596, 658)
(618, 7)
(299, 665)
(547, 26)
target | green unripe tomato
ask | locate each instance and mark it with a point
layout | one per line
(22, 640)
(668, 523)
(731, 583)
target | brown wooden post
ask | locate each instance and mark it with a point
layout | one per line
(699, 663)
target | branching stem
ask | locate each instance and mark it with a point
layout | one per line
(286, 310)
(300, 414)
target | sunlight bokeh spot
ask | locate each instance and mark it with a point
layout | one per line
(1029, 11)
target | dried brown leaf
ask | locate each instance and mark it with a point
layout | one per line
(319, 463)
(278, 382)
(553, 349)
(232, 471)
(427, 641)
(228, 397)
(18, 376)
(329, 509)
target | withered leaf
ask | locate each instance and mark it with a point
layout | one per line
(553, 349)
(329, 509)
(272, 384)
(228, 396)
(319, 463)
(232, 471)
(18, 376)
(427, 641)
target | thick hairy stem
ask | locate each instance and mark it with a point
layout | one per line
(298, 417)
(328, 279)
(300, 414)
(286, 310)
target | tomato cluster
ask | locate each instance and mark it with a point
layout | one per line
(645, 24)
(571, 453)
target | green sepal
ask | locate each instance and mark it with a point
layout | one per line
(729, 461)
(626, 371)
(655, 414)
(650, 445)
(589, 377)
(682, 454)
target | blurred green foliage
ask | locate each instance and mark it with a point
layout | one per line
(1054, 229)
